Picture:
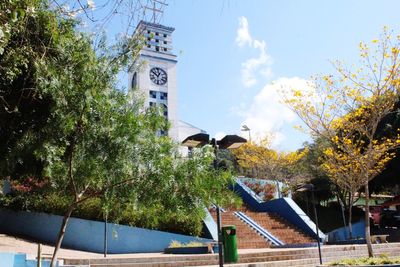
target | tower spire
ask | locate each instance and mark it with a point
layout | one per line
(156, 7)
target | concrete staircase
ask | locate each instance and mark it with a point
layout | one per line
(248, 238)
(280, 228)
(300, 257)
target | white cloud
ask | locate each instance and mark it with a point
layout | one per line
(267, 115)
(259, 65)
(253, 67)
(243, 36)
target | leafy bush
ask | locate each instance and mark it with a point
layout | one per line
(263, 189)
(382, 259)
(285, 191)
(177, 244)
(156, 217)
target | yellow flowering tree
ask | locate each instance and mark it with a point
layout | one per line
(265, 163)
(256, 160)
(350, 111)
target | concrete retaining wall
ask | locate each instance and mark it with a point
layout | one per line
(342, 234)
(88, 235)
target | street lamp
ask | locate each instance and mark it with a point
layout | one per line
(245, 128)
(196, 140)
(228, 142)
(310, 187)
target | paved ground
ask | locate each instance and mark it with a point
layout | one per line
(13, 244)
(19, 245)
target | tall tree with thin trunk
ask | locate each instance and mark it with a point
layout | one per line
(61, 109)
(349, 112)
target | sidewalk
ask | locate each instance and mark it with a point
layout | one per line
(20, 245)
(267, 257)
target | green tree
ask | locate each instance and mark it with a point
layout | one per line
(23, 109)
(70, 125)
(326, 189)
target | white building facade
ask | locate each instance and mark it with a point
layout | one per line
(156, 77)
(156, 73)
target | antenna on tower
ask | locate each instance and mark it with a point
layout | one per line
(156, 7)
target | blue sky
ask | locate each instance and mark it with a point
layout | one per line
(233, 56)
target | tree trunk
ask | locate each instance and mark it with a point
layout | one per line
(61, 234)
(367, 224)
(350, 215)
(346, 229)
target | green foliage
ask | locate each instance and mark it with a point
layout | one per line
(311, 163)
(262, 188)
(65, 123)
(177, 244)
(285, 191)
(177, 190)
(61, 112)
(185, 220)
(382, 259)
(23, 109)
(156, 217)
(42, 58)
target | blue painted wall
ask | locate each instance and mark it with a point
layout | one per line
(7, 259)
(341, 234)
(284, 207)
(88, 235)
(19, 260)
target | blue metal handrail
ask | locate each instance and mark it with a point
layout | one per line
(267, 235)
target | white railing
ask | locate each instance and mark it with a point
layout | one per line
(264, 233)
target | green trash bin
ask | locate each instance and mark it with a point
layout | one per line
(230, 243)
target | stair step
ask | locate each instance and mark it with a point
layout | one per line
(301, 257)
(277, 226)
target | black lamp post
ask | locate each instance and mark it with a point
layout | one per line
(245, 128)
(310, 187)
(228, 142)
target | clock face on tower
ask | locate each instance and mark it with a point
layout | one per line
(158, 76)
